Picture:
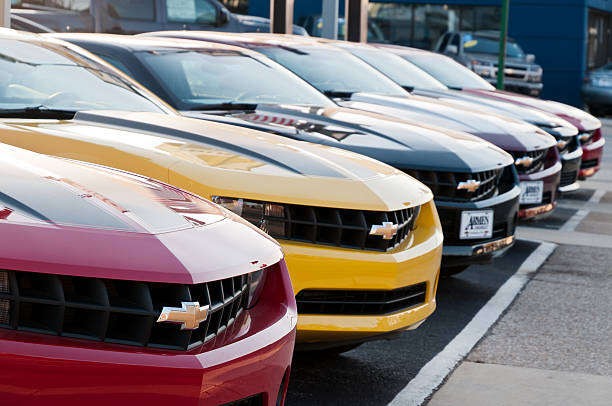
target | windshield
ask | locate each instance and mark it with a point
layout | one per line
(398, 69)
(333, 71)
(49, 75)
(449, 72)
(485, 45)
(197, 78)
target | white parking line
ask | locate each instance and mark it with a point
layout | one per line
(573, 222)
(431, 376)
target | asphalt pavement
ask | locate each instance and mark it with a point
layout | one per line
(551, 347)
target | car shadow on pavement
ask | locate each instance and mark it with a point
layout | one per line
(375, 372)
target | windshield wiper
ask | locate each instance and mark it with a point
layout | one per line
(225, 106)
(37, 112)
(338, 94)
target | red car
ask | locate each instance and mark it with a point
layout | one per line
(117, 289)
(456, 76)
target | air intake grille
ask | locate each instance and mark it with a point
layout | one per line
(590, 163)
(116, 311)
(344, 227)
(453, 186)
(569, 177)
(529, 162)
(360, 302)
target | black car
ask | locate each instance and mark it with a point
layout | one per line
(474, 182)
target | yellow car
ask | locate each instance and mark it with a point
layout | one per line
(362, 240)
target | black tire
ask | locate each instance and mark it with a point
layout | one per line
(449, 271)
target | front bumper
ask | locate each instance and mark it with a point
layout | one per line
(49, 370)
(551, 177)
(414, 262)
(477, 251)
(595, 95)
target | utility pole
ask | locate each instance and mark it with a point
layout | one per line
(356, 20)
(281, 16)
(330, 19)
(503, 36)
(5, 13)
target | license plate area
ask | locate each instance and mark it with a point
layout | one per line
(532, 192)
(476, 224)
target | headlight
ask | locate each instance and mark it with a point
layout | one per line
(269, 217)
(256, 281)
(483, 68)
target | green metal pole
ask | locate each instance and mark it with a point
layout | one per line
(503, 35)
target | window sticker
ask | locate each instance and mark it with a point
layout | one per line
(467, 38)
(470, 44)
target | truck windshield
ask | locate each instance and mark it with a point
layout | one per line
(449, 72)
(200, 77)
(486, 45)
(333, 71)
(37, 74)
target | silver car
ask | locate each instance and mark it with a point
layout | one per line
(597, 90)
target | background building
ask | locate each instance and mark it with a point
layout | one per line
(568, 37)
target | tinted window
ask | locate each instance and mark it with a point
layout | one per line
(332, 70)
(132, 10)
(36, 74)
(196, 78)
(443, 43)
(117, 64)
(486, 45)
(398, 69)
(72, 5)
(449, 72)
(191, 11)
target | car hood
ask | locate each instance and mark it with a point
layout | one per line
(83, 219)
(222, 160)
(401, 144)
(546, 121)
(579, 118)
(506, 133)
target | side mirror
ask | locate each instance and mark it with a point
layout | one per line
(451, 49)
(530, 58)
(223, 18)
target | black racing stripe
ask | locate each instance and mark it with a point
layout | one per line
(296, 162)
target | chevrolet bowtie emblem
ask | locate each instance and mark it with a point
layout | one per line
(189, 316)
(470, 185)
(387, 230)
(561, 144)
(585, 137)
(525, 161)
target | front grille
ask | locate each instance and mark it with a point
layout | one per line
(569, 177)
(343, 227)
(360, 302)
(444, 185)
(537, 161)
(117, 311)
(256, 400)
(589, 163)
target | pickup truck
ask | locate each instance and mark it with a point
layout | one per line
(479, 52)
(136, 16)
